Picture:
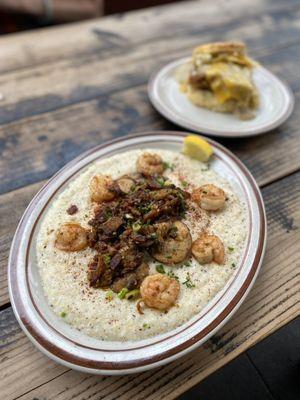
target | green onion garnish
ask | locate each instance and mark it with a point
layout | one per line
(188, 283)
(161, 181)
(106, 259)
(184, 183)
(160, 268)
(109, 295)
(168, 165)
(136, 226)
(171, 274)
(122, 293)
(133, 294)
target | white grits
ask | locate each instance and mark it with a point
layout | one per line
(64, 275)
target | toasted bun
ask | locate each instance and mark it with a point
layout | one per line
(221, 47)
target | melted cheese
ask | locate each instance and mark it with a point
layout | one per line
(229, 81)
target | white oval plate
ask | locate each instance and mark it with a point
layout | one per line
(71, 347)
(277, 103)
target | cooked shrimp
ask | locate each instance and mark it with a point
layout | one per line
(99, 188)
(209, 197)
(150, 164)
(159, 291)
(208, 248)
(71, 237)
(174, 242)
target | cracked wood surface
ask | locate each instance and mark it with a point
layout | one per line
(66, 89)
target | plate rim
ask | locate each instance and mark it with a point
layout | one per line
(139, 365)
(165, 111)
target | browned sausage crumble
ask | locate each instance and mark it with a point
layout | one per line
(127, 229)
(73, 209)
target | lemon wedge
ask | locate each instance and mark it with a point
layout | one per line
(196, 147)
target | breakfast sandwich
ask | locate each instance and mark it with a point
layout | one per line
(219, 78)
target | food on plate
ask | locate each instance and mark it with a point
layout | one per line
(219, 77)
(138, 243)
(208, 248)
(159, 291)
(173, 244)
(209, 197)
(71, 237)
(99, 188)
(150, 164)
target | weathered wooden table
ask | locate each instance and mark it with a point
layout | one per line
(66, 89)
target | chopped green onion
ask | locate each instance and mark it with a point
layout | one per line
(122, 293)
(168, 165)
(184, 183)
(188, 283)
(171, 274)
(133, 294)
(160, 181)
(106, 259)
(136, 226)
(231, 249)
(146, 326)
(63, 314)
(233, 265)
(145, 208)
(109, 295)
(160, 268)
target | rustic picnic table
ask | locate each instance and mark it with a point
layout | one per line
(66, 89)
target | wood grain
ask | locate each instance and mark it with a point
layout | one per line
(12, 206)
(35, 148)
(64, 82)
(64, 90)
(273, 301)
(106, 36)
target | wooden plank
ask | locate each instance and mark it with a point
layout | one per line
(273, 301)
(106, 35)
(50, 86)
(12, 207)
(35, 148)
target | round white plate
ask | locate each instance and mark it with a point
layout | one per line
(74, 349)
(277, 103)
